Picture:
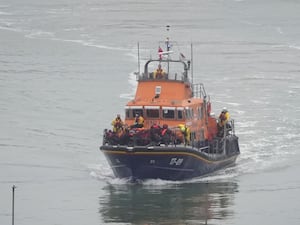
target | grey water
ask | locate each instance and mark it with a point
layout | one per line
(67, 68)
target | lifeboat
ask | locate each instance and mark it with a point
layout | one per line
(169, 131)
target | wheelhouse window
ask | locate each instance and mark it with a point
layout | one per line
(200, 113)
(189, 113)
(152, 111)
(179, 113)
(168, 112)
(137, 111)
(192, 113)
(127, 113)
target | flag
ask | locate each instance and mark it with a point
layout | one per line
(160, 51)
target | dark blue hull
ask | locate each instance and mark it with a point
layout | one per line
(167, 163)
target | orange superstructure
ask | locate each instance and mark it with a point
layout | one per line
(172, 100)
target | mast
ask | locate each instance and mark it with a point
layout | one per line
(192, 63)
(139, 63)
(168, 47)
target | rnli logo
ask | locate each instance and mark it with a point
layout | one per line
(176, 161)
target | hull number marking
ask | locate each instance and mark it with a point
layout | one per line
(176, 161)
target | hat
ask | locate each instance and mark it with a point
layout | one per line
(224, 109)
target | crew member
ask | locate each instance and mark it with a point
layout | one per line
(155, 130)
(223, 117)
(222, 122)
(117, 124)
(166, 134)
(138, 121)
(159, 73)
(185, 130)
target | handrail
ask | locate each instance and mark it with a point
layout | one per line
(199, 91)
(185, 66)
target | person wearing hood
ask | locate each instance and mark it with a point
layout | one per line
(117, 124)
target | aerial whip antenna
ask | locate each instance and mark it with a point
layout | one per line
(139, 62)
(168, 47)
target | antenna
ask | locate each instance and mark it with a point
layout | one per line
(168, 47)
(139, 63)
(192, 63)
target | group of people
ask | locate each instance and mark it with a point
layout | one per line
(118, 124)
(157, 133)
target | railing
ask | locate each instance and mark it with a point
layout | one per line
(199, 91)
(172, 76)
(219, 143)
(148, 137)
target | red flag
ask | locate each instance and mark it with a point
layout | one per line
(160, 51)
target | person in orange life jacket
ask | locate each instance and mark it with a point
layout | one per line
(166, 134)
(165, 130)
(159, 73)
(155, 130)
(138, 121)
(117, 124)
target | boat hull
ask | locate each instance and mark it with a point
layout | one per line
(167, 163)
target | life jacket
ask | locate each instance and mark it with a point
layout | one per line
(186, 131)
(224, 117)
(163, 132)
(159, 73)
(139, 120)
(183, 128)
(155, 126)
(118, 122)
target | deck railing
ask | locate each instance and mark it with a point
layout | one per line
(199, 91)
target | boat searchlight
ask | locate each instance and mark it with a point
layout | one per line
(157, 92)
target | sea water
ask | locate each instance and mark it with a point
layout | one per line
(67, 68)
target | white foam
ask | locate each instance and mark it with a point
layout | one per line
(40, 34)
(126, 96)
(240, 112)
(233, 103)
(9, 28)
(287, 46)
(5, 13)
(101, 171)
(246, 124)
(88, 43)
(294, 47)
(133, 83)
(74, 29)
(279, 30)
(105, 174)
